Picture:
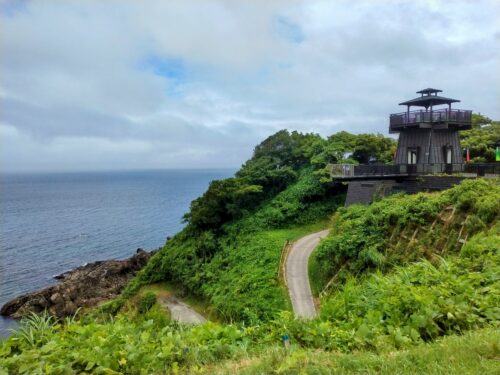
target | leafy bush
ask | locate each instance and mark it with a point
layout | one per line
(225, 200)
(401, 229)
(146, 302)
(423, 301)
(36, 329)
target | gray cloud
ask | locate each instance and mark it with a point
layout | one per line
(123, 84)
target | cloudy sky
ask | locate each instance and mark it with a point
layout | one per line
(98, 85)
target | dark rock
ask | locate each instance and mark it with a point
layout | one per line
(84, 286)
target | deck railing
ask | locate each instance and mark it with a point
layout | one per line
(347, 171)
(458, 116)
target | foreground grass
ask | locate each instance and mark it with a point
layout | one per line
(476, 352)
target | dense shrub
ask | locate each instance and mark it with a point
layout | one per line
(146, 302)
(402, 229)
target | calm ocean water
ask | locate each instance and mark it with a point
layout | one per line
(50, 223)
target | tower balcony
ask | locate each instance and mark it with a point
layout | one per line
(437, 119)
(348, 172)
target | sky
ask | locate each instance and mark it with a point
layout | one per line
(117, 84)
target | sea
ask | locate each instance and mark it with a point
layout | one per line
(53, 222)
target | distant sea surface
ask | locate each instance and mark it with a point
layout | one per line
(50, 223)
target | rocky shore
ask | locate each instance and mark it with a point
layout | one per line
(82, 287)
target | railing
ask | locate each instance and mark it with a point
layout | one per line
(484, 169)
(458, 116)
(351, 170)
(347, 171)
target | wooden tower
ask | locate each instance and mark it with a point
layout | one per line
(430, 137)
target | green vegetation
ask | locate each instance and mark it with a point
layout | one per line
(481, 139)
(379, 316)
(238, 227)
(473, 353)
(413, 282)
(146, 302)
(402, 229)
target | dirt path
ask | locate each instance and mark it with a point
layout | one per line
(180, 311)
(297, 274)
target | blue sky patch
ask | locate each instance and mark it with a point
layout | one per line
(11, 7)
(172, 68)
(287, 29)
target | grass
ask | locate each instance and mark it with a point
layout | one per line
(476, 352)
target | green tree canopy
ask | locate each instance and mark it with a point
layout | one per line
(482, 139)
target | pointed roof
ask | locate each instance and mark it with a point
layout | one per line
(429, 91)
(429, 98)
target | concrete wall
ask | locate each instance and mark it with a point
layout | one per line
(365, 191)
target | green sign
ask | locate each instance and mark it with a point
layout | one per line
(497, 154)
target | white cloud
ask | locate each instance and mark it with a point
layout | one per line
(198, 83)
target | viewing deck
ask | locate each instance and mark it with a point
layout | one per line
(381, 171)
(443, 118)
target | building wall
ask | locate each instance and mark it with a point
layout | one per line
(442, 138)
(420, 139)
(367, 190)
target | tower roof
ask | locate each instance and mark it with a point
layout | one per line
(429, 98)
(429, 91)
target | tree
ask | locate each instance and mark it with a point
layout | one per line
(373, 148)
(482, 139)
(224, 200)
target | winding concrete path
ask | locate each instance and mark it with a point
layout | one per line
(297, 274)
(181, 312)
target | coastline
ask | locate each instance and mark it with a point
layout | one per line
(82, 287)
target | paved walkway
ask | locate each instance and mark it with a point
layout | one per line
(297, 274)
(181, 312)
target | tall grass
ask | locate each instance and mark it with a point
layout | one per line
(35, 330)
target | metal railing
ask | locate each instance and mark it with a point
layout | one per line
(351, 170)
(482, 169)
(458, 116)
(347, 171)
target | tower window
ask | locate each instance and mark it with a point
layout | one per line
(448, 151)
(412, 155)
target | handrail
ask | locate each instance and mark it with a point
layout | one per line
(435, 116)
(440, 110)
(380, 170)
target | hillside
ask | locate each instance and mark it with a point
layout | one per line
(239, 226)
(405, 278)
